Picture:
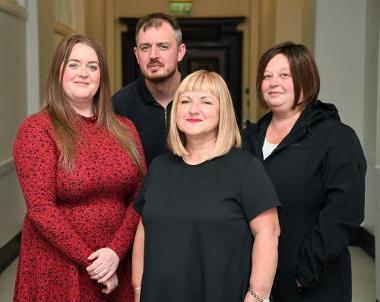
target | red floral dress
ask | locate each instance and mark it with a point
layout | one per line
(71, 215)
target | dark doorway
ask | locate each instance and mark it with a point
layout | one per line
(214, 44)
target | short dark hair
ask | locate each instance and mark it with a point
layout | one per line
(303, 70)
(155, 20)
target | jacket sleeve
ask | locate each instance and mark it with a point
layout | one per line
(124, 237)
(343, 178)
(36, 161)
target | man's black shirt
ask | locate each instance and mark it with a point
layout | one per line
(135, 102)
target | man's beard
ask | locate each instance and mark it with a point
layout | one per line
(159, 78)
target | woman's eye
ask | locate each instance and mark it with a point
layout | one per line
(183, 101)
(267, 76)
(285, 75)
(92, 67)
(73, 65)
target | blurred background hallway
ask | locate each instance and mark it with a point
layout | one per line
(344, 36)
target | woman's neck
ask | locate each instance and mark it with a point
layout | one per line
(281, 124)
(84, 110)
(199, 150)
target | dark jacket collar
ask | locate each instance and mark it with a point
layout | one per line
(144, 91)
(314, 113)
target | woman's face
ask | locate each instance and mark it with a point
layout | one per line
(277, 86)
(197, 115)
(81, 76)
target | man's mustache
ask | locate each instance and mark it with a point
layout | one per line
(154, 62)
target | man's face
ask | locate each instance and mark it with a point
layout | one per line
(158, 53)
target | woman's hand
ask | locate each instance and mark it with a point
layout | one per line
(110, 284)
(104, 266)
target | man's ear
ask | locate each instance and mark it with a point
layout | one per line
(137, 57)
(181, 52)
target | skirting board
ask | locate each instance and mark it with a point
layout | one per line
(9, 251)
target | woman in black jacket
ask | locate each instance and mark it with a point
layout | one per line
(318, 168)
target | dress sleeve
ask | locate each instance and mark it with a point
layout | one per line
(36, 161)
(257, 191)
(140, 199)
(343, 179)
(123, 239)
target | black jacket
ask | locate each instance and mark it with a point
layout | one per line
(151, 119)
(318, 171)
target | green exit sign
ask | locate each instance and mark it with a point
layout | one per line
(180, 8)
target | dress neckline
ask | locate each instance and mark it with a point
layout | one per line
(88, 119)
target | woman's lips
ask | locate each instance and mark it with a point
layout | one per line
(193, 120)
(275, 93)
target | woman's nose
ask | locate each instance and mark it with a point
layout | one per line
(83, 72)
(194, 108)
(273, 81)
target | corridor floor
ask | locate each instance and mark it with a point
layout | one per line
(363, 276)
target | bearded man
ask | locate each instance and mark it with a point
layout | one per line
(147, 100)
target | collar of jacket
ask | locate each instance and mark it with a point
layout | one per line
(314, 113)
(147, 96)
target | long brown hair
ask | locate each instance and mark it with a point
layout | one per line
(62, 114)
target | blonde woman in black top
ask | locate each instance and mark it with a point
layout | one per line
(202, 205)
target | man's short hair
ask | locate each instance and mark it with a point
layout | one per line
(156, 20)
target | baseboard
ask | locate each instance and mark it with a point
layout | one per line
(9, 251)
(365, 240)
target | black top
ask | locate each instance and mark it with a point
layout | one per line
(318, 171)
(150, 118)
(198, 240)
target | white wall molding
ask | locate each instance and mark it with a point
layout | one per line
(32, 59)
(6, 166)
(13, 8)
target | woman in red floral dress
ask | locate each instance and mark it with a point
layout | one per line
(79, 167)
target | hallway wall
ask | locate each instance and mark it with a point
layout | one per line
(347, 54)
(13, 87)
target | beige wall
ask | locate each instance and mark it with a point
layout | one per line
(13, 102)
(46, 38)
(95, 15)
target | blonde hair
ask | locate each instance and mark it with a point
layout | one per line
(63, 116)
(228, 135)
